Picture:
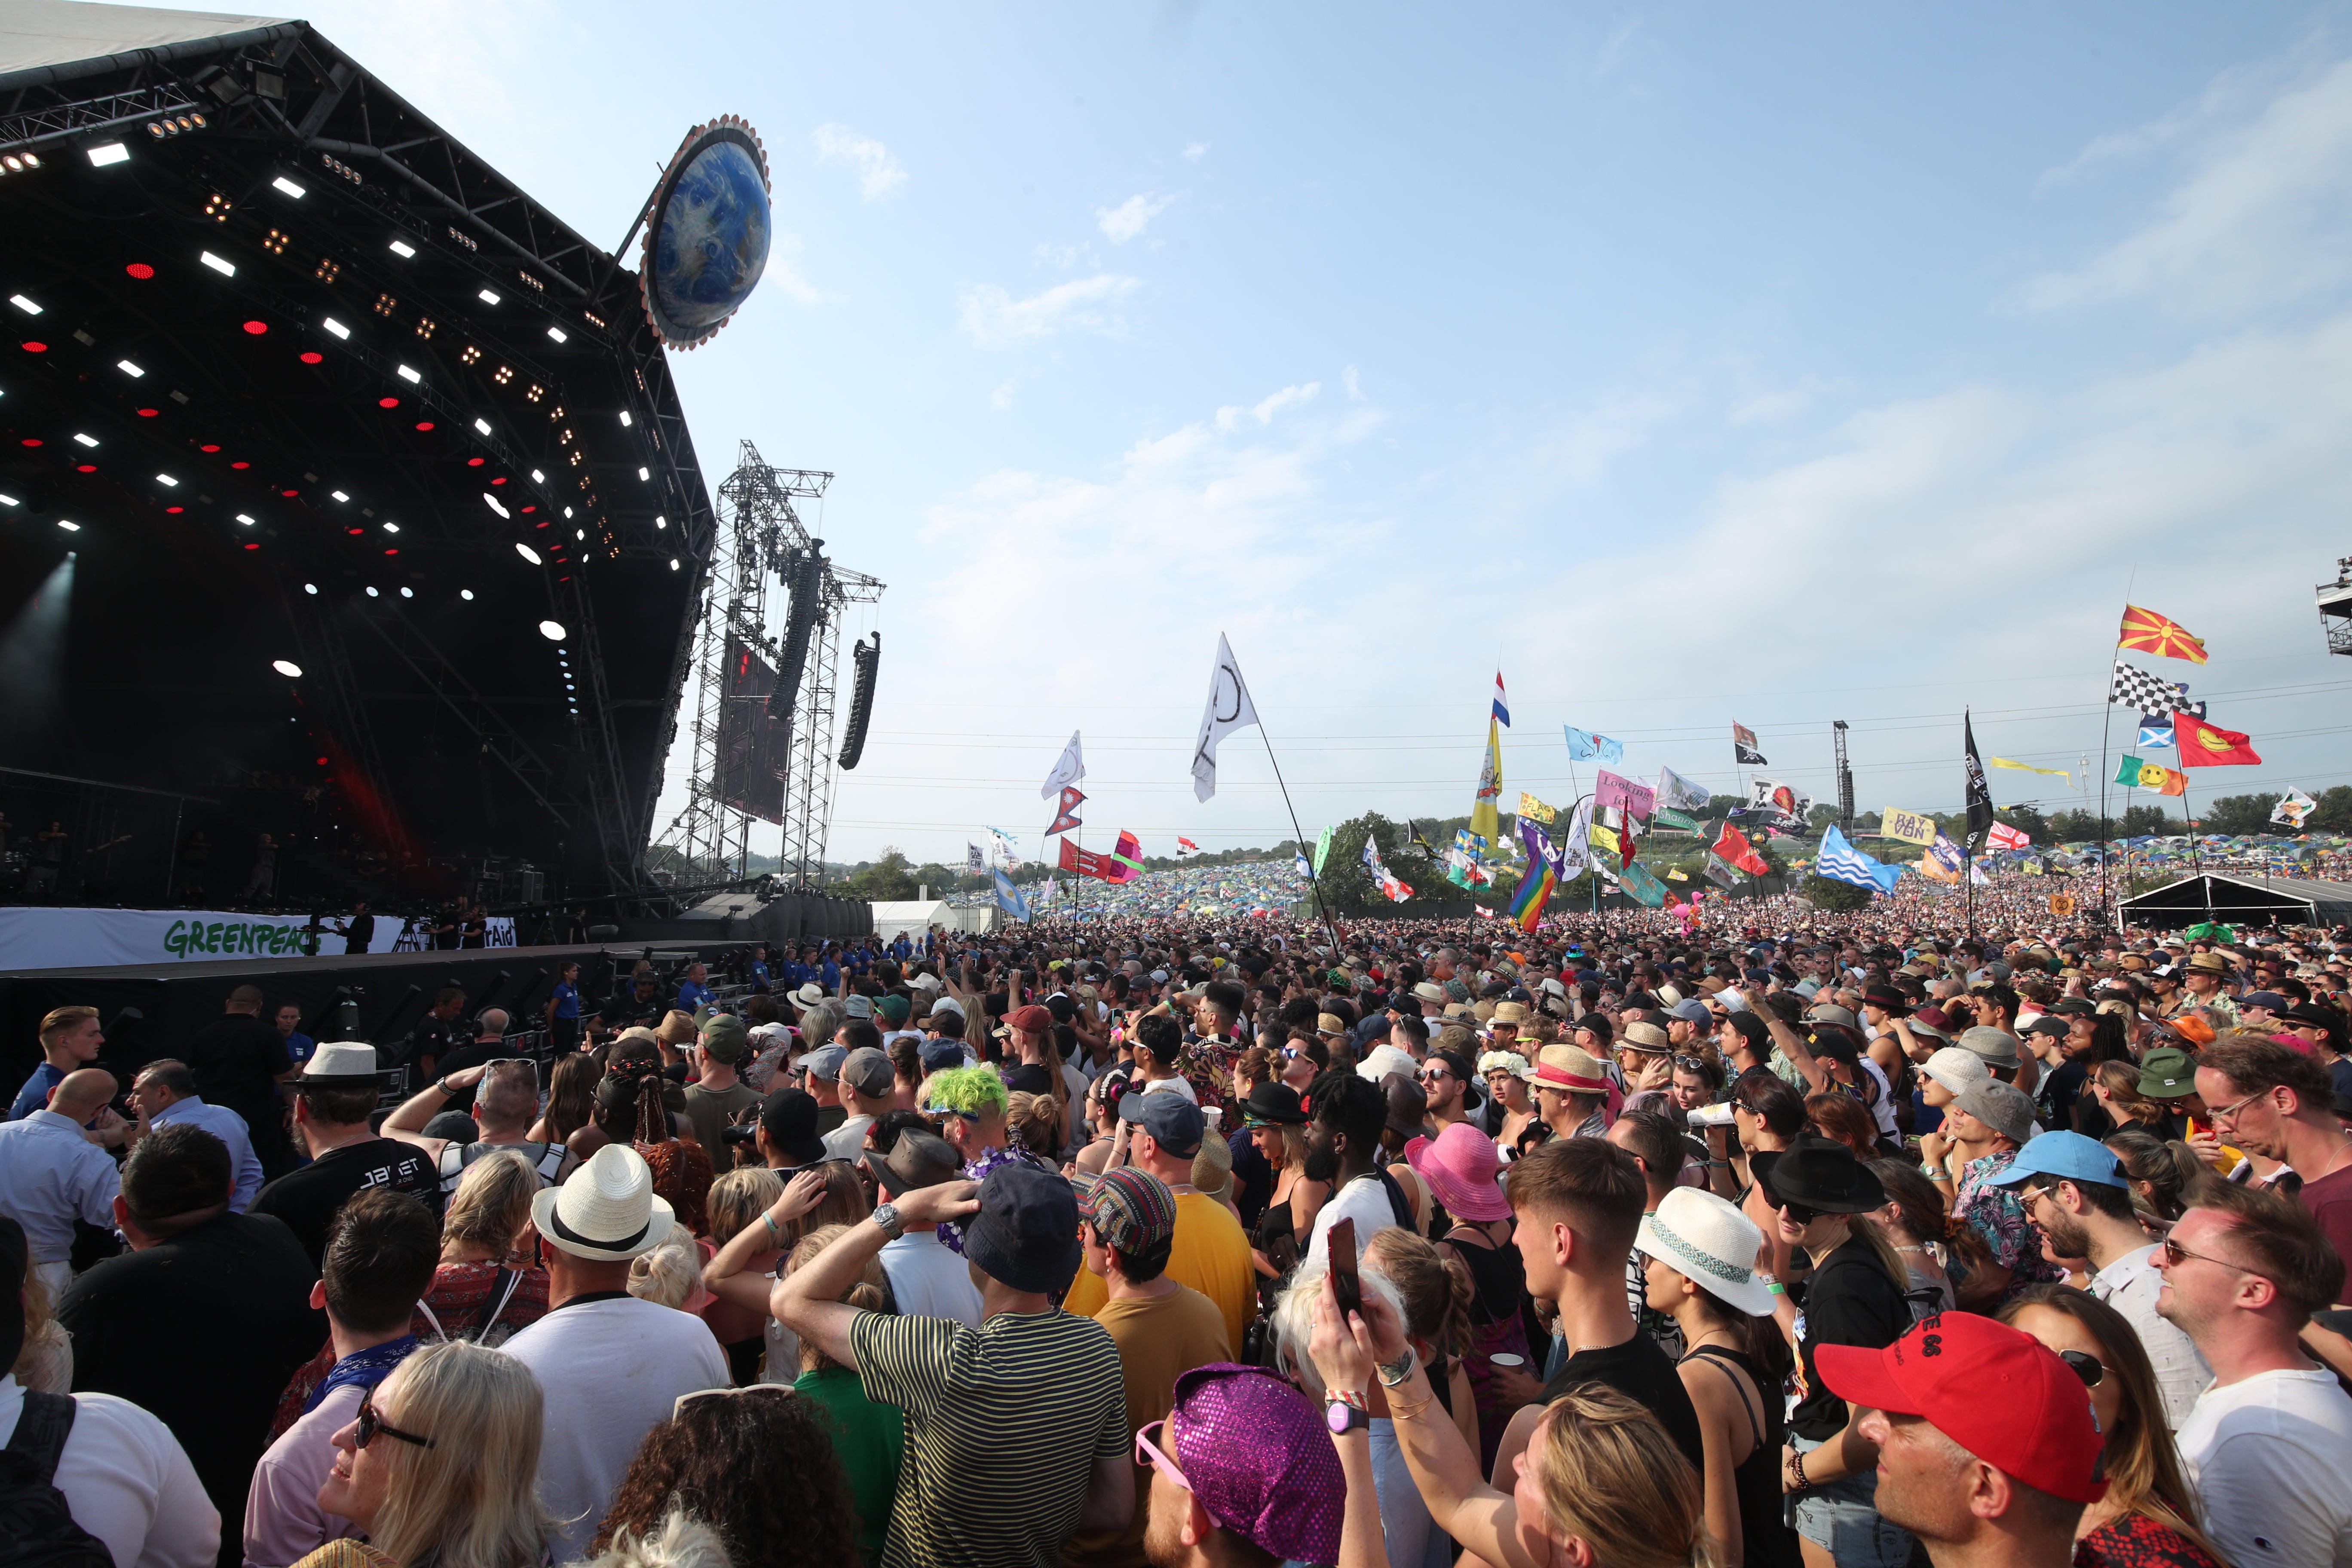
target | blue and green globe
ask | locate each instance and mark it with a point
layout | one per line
(713, 241)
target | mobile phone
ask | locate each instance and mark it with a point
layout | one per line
(1345, 1283)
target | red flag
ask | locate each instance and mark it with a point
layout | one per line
(1732, 845)
(1087, 863)
(2204, 745)
(1067, 819)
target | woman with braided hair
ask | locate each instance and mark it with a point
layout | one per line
(631, 1109)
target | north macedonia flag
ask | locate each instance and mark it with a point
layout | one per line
(2160, 635)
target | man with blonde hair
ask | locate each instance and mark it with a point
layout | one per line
(69, 1039)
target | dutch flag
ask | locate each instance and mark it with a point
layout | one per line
(1502, 709)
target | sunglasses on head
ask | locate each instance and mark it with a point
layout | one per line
(370, 1423)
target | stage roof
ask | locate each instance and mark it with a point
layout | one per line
(312, 384)
(2237, 899)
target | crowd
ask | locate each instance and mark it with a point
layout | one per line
(1224, 1240)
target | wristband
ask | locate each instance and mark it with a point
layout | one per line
(1774, 1287)
(774, 1228)
(1796, 1463)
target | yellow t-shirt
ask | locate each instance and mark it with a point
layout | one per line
(1211, 1255)
(1159, 1339)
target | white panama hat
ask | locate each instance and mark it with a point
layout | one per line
(606, 1211)
(1709, 1242)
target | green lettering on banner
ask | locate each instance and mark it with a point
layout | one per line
(175, 939)
(213, 936)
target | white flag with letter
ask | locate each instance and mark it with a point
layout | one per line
(1067, 772)
(1229, 708)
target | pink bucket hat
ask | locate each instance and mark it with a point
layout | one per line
(1459, 1166)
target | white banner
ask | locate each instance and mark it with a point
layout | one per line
(83, 939)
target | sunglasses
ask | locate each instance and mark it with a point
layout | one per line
(370, 1423)
(2175, 1255)
(1691, 1064)
(1432, 1075)
(1798, 1213)
(1148, 1452)
(2086, 1366)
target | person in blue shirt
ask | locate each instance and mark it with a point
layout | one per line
(759, 981)
(828, 971)
(298, 1046)
(70, 1040)
(902, 947)
(563, 1009)
(692, 992)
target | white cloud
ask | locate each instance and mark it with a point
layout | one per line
(783, 272)
(1230, 419)
(1351, 385)
(2259, 221)
(1125, 221)
(994, 319)
(879, 173)
(1196, 151)
(1002, 398)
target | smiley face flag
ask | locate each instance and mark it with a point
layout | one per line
(2204, 745)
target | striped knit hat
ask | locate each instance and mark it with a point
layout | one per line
(1132, 1211)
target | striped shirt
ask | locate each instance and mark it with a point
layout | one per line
(1004, 1424)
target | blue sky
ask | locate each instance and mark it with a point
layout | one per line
(1690, 364)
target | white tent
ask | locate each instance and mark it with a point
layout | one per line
(913, 916)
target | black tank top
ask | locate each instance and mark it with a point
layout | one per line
(1767, 1541)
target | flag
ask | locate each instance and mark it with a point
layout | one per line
(1412, 837)
(1584, 746)
(1229, 708)
(1128, 856)
(2204, 745)
(1908, 827)
(1485, 811)
(1601, 838)
(1009, 898)
(2162, 780)
(1502, 708)
(1673, 790)
(1067, 819)
(1303, 869)
(2029, 768)
(1322, 850)
(1743, 747)
(1575, 849)
(1732, 845)
(1066, 771)
(2150, 633)
(1486, 913)
(1676, 874)
(1186, 846)
(1841, 862)
(2001, 836)
(1774, 801)
(1396, 890)
(1646, 888)
(1980, 796)
(2134, 687)
(2293, 807)
(974, 862)
(2128, 771)
(1668, 816)
(1051, 889)
(1530, 806)
(1721, 875)
(1006, 849)
(2156, 732)
(1541, 876)
(1610, 792)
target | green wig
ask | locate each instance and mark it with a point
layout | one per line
(974, 1091)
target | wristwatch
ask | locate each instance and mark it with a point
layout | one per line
(1346, 1412)
(887, 1217)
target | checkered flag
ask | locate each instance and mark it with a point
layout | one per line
(2138, 689)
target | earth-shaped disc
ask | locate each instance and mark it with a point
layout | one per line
(713, 242)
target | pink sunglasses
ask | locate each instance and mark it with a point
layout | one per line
(1146, 1452)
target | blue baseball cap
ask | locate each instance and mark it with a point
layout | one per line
(2068, 1156)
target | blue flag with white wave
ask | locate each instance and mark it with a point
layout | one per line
(1839, 861)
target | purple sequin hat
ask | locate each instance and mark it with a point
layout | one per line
(1260, 1459)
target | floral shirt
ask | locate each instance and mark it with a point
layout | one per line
(1998, 1214)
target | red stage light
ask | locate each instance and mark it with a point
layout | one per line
(208, 447)
(535, 508)
(140, 271)
(500, 480)
(392, 553)
(424, 425)
(149, 413)
(542, 525)
(253, 547)
(233, 465)
(32, 441)
(312, 356)
(387, 403)
(257, 328)
(289, 494)
(322, 762)
(175, 510)
(356, 531)
(32, 348)
(473, 462)
(85, 468)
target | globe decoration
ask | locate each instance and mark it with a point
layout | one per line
(707, 239)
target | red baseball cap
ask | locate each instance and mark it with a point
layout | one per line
(2002, 1395)
(1031, 1019)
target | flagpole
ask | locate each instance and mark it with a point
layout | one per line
(1314, 887)
(1968, 835)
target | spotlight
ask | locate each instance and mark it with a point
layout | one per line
(248, 522)
(140, 271)
(309, 587)
(578, 534)
(290, 187)
(673, 563)
(371, 593)
(225, 268)
(408, 593)
(286, 667)
(483, 425)
(661, 523)
(644, 474)
(537, 478)
(86, 440)
(334, 326)
(494, 505)
(557, 333)
(487, 298)
(467, 594)
(127, 368)
(400, 248)
(167, 480)
(69, 527)
(24, 304)
(409, 375)
(9, 500)
(551, 630)
(257, 328)
(109, 152)
(527, 553)
(625, 418)
(392, 528)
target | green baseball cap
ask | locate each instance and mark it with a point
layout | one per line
(724, 1038)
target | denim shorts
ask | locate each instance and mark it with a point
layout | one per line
(1842, 1518)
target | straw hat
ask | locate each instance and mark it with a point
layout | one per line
(1645, 1037)
(1510, 1012)
(1570, 1069)
(342, 1064)
(607, 1211)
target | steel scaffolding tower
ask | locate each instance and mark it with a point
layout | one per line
(760, 537)
(1844, 782)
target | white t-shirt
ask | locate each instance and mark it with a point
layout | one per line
(927, 1280)
(847, 1141)
(1171, 1086)
(2268, 1455)
(127, 1480)
(2130, 1285)
(609, 1371)
(1364, 1200)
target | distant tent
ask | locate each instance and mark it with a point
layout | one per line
(2242, 900)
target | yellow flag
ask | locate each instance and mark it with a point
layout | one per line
(1485, 810)
(1603, 838)
(1907, 827)
(2027, 767)
(1531, 807)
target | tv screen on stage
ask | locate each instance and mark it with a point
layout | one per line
(753, 747)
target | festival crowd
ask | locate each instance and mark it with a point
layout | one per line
(1816, 1239)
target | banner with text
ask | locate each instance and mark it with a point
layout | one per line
(79, 939)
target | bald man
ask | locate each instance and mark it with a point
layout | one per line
(50, 1175)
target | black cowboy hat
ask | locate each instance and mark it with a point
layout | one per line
(1820, 1174)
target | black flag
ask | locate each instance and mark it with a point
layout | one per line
(1979, 797)
(1743, 747)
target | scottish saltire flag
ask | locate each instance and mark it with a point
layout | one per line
(1010, 899)
(1502, 708)
(1841, 862)
(1584, 746)
(1536, 882)
(2155, 731)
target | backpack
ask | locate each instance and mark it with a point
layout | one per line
(37, 1527)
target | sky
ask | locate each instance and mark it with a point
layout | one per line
(1688, 364)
